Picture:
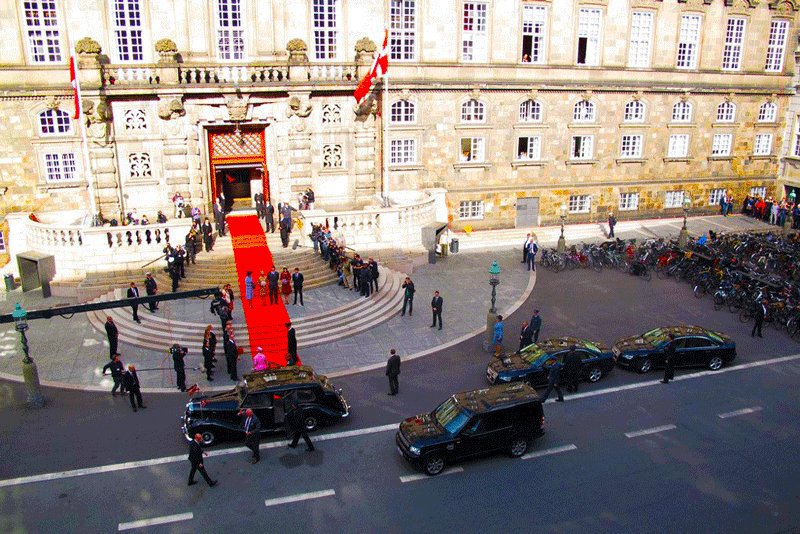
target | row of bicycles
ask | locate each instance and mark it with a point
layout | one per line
(739, 271)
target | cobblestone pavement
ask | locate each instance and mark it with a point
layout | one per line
(71, 352)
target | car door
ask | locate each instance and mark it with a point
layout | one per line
(588, 360)
(543, 369)
(681, 352)
(485, 433)
(697, 351)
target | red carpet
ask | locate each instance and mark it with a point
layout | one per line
(266, 325)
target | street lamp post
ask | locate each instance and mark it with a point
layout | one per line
(494, 281)
(683, 236)
(29, 371)
(562, 243)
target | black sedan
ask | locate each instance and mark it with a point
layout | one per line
(533, 362)
(694, 347)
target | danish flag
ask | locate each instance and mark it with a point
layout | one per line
(73, 79)
(379, 68)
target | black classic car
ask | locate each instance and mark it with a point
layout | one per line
(694, 347)
(216, 417)
(503, 417)
(532, 363)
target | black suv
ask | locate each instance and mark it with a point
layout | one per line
(503, 417)
(216, 417)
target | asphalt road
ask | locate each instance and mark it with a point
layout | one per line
(703, 475)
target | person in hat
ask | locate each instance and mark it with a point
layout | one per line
(259, 360)
(252, 433)
(196, 459)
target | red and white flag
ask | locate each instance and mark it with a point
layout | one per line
(379, 68)
(75, 90)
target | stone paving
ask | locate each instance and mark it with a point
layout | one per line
(71, 352)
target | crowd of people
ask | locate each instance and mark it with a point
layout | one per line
(352, 271)
(772, 211)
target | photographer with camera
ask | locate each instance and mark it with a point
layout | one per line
(178, 353)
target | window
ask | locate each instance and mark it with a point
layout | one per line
(230, 36)
(60, 167)
(767, 112)
(721, 145)
(588, 36)
(472, 149)
(331, 114)
(475, 39)
(682, 112)
(796, 144)
(673, 199)
(641, 35)
(714, 196)
(634, 111)
(628, 201)
(54, 122)
(403, 152)
(529, 148)
(582, 146)
(762, 146)
(128, 30)
(403, 111)
(325, 28)
(758, 191)
(534, 21)
(776, 45)
(583, 112)
(42, 29)
(403, 30)
(139, 165)
(470, 209)
(726, 112)
(734, 37)
(631, 146)
(678, 146)
(2, 242)
(688, 42)
(530, 111)
(472, 111)
(332, 157)
(580, 203)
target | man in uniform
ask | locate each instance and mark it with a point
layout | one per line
(151, 288)
(393, 371)
(252, 434)
(196, 459)
(178, 353)
(295, 426)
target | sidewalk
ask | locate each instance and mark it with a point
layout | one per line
(71, 352)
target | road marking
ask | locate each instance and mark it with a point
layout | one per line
(646, 431)
(743, 411)
(163, 520)
(548, 452)
(300, 497)
(422, 476)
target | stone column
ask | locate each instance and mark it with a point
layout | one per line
(367, 176)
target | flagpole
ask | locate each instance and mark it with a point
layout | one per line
(385, 113)
(84, 143)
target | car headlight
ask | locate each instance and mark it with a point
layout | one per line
(414, 450)
(503, 378)
(627, 356)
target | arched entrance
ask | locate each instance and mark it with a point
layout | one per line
(238, 164)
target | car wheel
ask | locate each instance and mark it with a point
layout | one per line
(207, 437)
(433, 464)
(715, 363)
(595, 374)
(518, 447)
(645, 365)
(310, 422)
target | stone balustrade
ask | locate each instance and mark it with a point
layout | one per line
(336, 73)
(222, 74)
(130, 75)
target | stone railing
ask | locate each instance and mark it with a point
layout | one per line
(337, 73)
(222, 74)
(79, 250)
(130, 75)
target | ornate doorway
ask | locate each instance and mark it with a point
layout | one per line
(238, 164)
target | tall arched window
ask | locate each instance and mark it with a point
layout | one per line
(726, 112)
(403, 111)
(634, 111)
(682, 112)
(472, 111)
(768, 112)
(54, 122)
(583, 112)
(530, 111)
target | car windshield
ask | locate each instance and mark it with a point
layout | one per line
(655, 336)
(531, 353)
(451, 416)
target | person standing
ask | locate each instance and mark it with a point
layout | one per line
(669, 360)
(178, 353)
(760, 315)
(220, 308)
(365, 280)
(572, 368)
(533, 248)
(408, 296)
(297, 284)
(284, 231)
(252, 434)
(292, 341)
(196, 460)
(436, 308)
(116, 368)
(274, 278)
(286, 285)
(207, 230)
(393, 372)
(553, 378)
(227, 296)
(269, 217)
(113, 336)
(133, 293)
(262, 288)
(373, 266)
(525, 336)
(497, 335)
(525, 249)
(231, 357)
(130, 380)
(151, 288)
(536, 325)
(310, 198)
(612, 222)
(249, 288)
(259, 360)
(219, 218)
(295, 426)
(209, 347)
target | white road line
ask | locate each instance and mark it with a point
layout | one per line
(300, 497)
(646, 431)
(163, 520)
(743, 411)
(421, 476)
(548, 452)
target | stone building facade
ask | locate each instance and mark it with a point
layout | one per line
(515, 107)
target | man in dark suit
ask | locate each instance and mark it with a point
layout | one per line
(115, 366)
(572, 368)
(393, 371)
(113, 336)
(669, 360)
(761, 314)
(130, 381)
(525, 249)
(220, 308)
(436, 308)
(133, 293)
(219, 218)
(196, 459)
(292, 341)
(273, 278)
(269, 217)
(536, 325)
(295, 426)
(408, 296)
(231, 357)
(151, 288)
(553, 378)
(373, 265)
(297, 284)
(252, 434)
(178, 353)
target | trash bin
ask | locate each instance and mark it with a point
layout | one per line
(454, 245)
(9, 280)
(444, 248)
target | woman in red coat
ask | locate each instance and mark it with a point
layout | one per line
(286, 284)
